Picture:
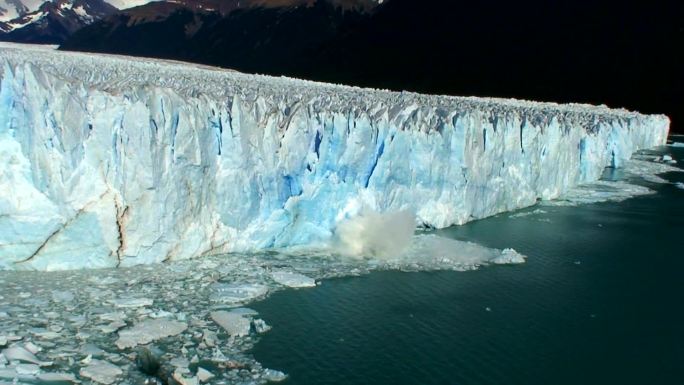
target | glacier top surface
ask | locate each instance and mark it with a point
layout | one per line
(121, 74)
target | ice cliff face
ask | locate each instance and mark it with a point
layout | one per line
(108, 161)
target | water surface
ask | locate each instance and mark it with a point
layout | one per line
(599, 301)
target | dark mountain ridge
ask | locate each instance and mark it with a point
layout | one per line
(54, 21)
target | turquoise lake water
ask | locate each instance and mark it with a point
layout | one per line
(600, 300)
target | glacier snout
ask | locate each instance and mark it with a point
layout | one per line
(108, 161)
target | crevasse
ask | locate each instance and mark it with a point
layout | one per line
(110, 161)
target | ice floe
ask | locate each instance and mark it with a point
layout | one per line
(291, 279)
(233, 323)
(148, 331)
(102, 372)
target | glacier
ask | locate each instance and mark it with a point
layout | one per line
(110, 161)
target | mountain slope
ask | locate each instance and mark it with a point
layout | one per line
(54, 22)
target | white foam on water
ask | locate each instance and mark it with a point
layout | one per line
(643, 167)
(601, 191)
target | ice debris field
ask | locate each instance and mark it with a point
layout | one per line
(110, 161)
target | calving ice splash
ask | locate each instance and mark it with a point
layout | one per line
(109, 161)
(389, 240)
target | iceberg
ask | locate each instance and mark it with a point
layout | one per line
(112, 161)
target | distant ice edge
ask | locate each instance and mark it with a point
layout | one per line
(109, 161)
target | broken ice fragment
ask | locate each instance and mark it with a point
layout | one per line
(148, 331)
(101, 371)
(131, 302)
(112, 327)
(234, 293)
(260, 326)
(234, 324)
(508, 256)
(62, 296)
(293, 279)
(45, 334)
(92, 350)
(57, 377)
(31, 347)
(244, 311)
(180, 362)
(204, 375)
(274, 375)
(27, 369)
(20, 354)
(178, 376)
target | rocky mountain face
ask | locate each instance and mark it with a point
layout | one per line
(54, 21)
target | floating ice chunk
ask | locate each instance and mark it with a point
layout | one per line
(148, 331)
(131, 302)
(178, 375)
(27, 369)
(112, 327)
(679, 185)
(31, 347)
(677, 144)
(234, 324)
(101, 371)
(667, 158)
(204, 375)
(99, 281)
(260, 326)
(92, 350)
(508, 257)
(161, 314)
(235, 293)
(274, 375)
(218, 356)
(8, 374)
(45, 334)
(435, 252)
(114, 316)
(57, 377)
(18, 353)
(180, 362)
(244, 311)
(293, 279)
(62, 296)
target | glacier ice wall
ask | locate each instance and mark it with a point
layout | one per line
(108, 161)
